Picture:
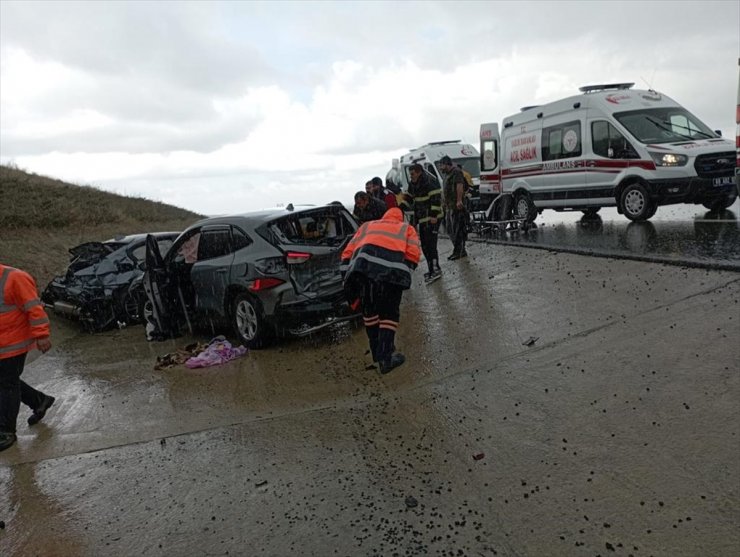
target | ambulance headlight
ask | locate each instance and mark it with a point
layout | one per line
(669, 159)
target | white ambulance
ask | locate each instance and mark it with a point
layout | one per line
(463, 154)
(609, 146)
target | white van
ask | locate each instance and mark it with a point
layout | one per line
(463, 154)
(609, 146)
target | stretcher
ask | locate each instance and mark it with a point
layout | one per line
(497, 217)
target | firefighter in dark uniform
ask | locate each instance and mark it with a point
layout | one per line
(427, 211)
(377, 265)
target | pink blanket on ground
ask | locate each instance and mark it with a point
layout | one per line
(219, 351)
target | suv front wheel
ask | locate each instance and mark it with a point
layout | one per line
(249, 323)
(720, 203)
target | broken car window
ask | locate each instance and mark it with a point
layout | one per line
(187, 252)
(315, 228)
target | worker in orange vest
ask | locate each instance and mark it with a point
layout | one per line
(23, 326)
(377, 265)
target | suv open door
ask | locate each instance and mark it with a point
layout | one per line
(160, 317)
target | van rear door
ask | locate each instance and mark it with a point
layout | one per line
(490, 169)
(312, 241)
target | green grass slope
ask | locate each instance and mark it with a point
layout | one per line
(41, 218)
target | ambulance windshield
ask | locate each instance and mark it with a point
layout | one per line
(664, 125)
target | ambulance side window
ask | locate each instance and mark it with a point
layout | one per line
(562, 141)
(609, 142)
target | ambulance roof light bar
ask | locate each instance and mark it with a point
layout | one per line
(444, 142)
(605, 87)
(524, 108)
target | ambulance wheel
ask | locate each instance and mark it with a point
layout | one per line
(249, 322)
(524, 207)
(635, 203)
(720, 203)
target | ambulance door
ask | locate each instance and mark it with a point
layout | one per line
(490, 169)
(612, 152)
(563, 178)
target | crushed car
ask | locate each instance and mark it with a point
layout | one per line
(264, 274)
(96, 287)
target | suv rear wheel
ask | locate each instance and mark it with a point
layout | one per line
(635, 203)
(249, 323)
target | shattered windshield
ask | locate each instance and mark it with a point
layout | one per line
(664, 125)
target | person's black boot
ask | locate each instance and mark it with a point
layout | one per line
(7, 440)
(372, 337)
(40, 412)
(392, 363)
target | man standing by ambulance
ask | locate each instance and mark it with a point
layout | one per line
(456, 216)
(23, 326)
(377, 265)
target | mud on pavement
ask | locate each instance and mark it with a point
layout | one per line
(616, 432)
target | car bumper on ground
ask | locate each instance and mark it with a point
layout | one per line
(307, 316)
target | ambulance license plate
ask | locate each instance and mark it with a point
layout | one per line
(723, 181)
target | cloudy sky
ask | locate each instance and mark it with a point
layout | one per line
(233, 106)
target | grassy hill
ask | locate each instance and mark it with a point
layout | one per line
(41, 218)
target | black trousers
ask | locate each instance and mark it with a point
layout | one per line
(13, 391)
(381, 312)
(428, 235)
(457, 228)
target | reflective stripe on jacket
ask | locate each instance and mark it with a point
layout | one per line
(427, 199)
(22, 315)
(385, 250)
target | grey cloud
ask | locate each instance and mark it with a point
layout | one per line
(381, 134)
(183, 43)
(134, 138)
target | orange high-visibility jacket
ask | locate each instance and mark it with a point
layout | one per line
(22, 316)
(384, 250)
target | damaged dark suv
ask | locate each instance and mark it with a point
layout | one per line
(96, 288)
(264, 274)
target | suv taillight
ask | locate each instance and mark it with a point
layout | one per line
(260, 284)
(296, 257)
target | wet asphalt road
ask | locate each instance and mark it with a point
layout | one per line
(615, 433)
(683, 234)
